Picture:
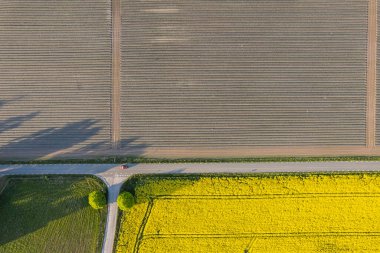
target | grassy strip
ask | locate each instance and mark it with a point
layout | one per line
(122, 159)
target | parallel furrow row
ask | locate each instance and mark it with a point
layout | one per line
(238, 73)
(55, 81)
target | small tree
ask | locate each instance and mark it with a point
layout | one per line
(125, 200)
(97, 200)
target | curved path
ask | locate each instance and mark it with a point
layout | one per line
(114, 177)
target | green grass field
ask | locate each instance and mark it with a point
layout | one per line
(50, 214)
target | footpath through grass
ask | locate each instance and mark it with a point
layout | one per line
(50, 214)
(253, 213)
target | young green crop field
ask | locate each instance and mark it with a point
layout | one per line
(50, 214)
(262, 213)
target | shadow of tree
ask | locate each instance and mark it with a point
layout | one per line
(74, 139)
(27, 205)
(146, 188)
(11, 100)
(53, 139)
(46, 141)
(143, 187)
(133, 148)
(16, 121)
(133, 145)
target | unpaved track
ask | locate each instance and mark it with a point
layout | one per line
(114, 177)
(116, 21)
(371, 74)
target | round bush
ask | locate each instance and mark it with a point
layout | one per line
(125, 200)
(97, 200)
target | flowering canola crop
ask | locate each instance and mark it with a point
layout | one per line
(283, 213)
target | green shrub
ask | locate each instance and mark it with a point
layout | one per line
(125, 200)
(97, 200)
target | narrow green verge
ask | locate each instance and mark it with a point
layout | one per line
(122, 159)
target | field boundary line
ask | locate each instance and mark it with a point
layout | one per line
(258, 235)
(266, 196)
(250, 245)
(140, 233)
(371, 75)
(115, 99)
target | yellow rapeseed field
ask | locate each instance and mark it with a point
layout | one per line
(266, 213)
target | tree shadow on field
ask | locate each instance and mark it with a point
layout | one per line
(22, 142)
(16, 121)
(12, 100)
(133, 145)
(143, 187)
(24, 210)
(55, 139)
(130, 151)
(146, 188)
(41, 138)
(74, 139)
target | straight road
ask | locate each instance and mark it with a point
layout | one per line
(108, 171)
(114, 177)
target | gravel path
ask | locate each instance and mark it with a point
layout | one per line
(114, 177)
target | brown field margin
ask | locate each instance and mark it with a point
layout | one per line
(116, 27)
(371, 74)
